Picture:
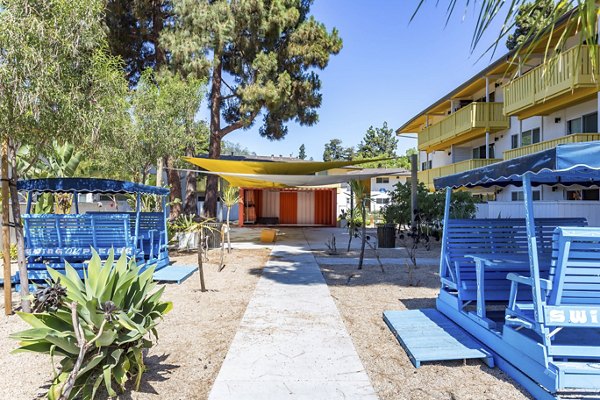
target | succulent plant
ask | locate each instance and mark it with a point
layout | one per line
(98, 326)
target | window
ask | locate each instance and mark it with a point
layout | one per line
(574, 126)
(514, 141)
(479, 152)
(530, 137)
(590, 123)
(382, 180)
(520, 196)
(382, 201)
(585, 124)
(425, 165)
(585, 194)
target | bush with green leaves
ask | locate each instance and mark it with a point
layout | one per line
(98, 326)
(430, 205)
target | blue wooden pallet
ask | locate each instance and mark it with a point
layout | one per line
(174, 273)
(428, 335)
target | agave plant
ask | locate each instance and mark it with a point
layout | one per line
(98, 326)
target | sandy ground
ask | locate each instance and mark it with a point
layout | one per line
(193, 338)
(362, 296)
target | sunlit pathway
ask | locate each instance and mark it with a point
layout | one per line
(292, 343)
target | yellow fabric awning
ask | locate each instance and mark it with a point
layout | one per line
(271, 167)
(263, 181)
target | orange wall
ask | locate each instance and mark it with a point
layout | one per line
(316, 206)
(288, 207)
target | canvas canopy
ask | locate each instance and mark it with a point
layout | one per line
(286, 181)
(87, 185)
(566, 164)
(276, 174)
(271, 167)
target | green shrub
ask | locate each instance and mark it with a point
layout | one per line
(430, 205)
(98, 326)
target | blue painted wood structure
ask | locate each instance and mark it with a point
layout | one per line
(529, 289)
(174, 273)
(428, 335)
(53, 239)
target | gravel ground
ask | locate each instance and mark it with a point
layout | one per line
(193, 338)
(362, 296)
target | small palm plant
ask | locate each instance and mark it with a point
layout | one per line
(230, 198)
(362, 196)
(98, 326)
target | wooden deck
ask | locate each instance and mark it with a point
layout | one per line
(428, 335)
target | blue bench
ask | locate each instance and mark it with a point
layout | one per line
(152, 234)
(502, 238)
(56, 238)
(570, 301)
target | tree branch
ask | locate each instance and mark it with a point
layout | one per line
(236, 125)
(228, 87)
(228, 96)
(83, 348)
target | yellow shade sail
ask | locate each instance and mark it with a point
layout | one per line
(271, 167)
(263, 181)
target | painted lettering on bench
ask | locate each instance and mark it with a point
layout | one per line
(573, 316)
(557, 316)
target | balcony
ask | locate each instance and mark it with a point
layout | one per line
(429, 175)
(463, 125)
(548, 87)
(549, 144)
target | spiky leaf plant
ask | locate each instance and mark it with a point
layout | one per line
(98, 326)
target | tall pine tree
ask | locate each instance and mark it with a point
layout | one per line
(302, 152)
(134, 29)
(530, 18)
(260, 57)
(378, 143)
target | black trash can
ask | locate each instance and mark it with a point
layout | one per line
(212, 234)
(386, 236)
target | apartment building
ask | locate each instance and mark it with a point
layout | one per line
(509, 110)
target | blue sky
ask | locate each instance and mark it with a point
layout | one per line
(388, 70)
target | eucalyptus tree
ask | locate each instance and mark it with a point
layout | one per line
(163, 125)
(260, 56)
(57, 82)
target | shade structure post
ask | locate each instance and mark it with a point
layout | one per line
(413, 188)
(76, 202)
(138, 211)
(444, 230)
(165, 218)
(29, 203)
(532, 247)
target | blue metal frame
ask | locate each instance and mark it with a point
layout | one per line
(54, 239)
(546, 346)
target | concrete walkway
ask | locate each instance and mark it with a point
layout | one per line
(292, 343)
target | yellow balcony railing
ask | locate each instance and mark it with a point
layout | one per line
(567, 80)
(463, 125)
(549, 144)
(429, 175)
